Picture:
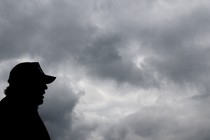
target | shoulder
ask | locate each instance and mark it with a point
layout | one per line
(3, 104)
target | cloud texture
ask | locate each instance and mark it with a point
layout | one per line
(128, 70)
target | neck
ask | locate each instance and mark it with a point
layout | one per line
(21, 102)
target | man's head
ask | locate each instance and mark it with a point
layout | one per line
(29, 72)
(30, 81)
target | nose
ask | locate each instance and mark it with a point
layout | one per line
(45, 87)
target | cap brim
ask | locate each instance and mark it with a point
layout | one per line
(49, 79)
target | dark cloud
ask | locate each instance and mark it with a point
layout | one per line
(103, 59)
(102, 40)
(50, 31)
(18, 29)
(57, 110)
(60, 32)
(179, 57)
(172, 42)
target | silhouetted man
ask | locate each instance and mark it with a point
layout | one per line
(19, 118)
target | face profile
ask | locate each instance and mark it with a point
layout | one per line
(19, 117)
(38, 91)
(31, 82)
(40, 94)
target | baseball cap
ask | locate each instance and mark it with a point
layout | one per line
(29, 72)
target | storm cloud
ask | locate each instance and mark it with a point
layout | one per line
(129, 70)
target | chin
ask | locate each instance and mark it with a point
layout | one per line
(39, 102)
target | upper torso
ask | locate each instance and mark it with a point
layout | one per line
(20, 121)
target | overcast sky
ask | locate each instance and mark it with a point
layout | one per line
(126, 69)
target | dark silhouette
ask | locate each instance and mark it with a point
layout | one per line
(19, 118)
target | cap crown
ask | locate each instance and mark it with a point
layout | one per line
(28, 72)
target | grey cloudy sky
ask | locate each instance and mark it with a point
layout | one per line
(126, 69)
